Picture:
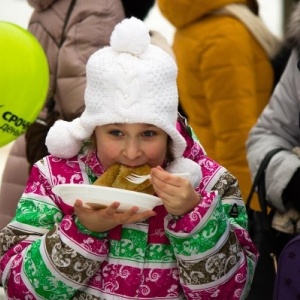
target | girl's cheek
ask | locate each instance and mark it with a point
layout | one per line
(108, 155)
(157, 155)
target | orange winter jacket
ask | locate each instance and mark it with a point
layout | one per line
(225, 79)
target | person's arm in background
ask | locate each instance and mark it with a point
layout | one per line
(278, 126)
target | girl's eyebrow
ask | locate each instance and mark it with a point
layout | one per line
(148, 125)
(124, 124)
(115, 124)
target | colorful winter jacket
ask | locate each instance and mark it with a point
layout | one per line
(225, 79)
(207, 253)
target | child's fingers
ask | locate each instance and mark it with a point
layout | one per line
(111, 209)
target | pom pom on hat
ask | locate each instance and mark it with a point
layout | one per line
(68, 134)
(130, 36)
(185, 165)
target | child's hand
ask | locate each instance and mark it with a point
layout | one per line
(104, 219)
(177, 194)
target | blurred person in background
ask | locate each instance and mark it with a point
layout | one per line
(224, 52)
(278, 127)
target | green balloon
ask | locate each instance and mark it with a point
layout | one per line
(24, 80)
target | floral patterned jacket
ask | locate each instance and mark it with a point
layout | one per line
(207, 253)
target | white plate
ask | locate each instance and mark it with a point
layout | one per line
(101, 196)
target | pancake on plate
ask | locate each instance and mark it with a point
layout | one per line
(115, 177)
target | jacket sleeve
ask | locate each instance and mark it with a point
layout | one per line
(215, 255)
(44, 254)
(278, 126)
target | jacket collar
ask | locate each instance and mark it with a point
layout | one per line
(184, 12)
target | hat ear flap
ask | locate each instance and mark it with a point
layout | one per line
(64, 139)
(186, 165)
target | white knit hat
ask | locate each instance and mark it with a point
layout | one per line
(131, 81)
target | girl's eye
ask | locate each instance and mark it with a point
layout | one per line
(149, 133)
(116, 132)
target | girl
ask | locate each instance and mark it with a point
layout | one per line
(193, 246)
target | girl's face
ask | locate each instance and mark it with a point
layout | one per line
(132, 145)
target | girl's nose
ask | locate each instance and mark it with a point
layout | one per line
(132, 149)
